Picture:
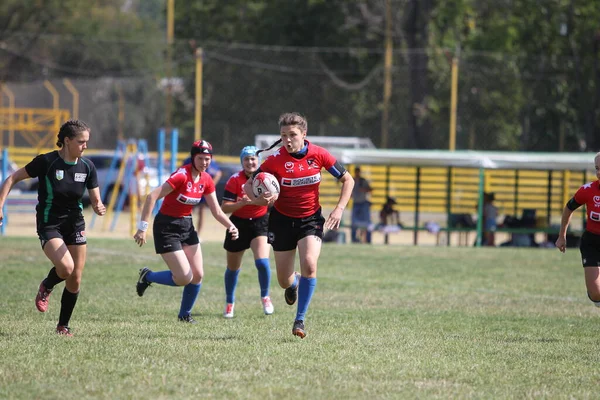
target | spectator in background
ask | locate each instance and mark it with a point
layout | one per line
(215, 173)
(490, 213)
(361, 207)
(388, 216)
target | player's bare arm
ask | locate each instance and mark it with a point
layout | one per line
(96, 201)
(213, 205)
(7, 185)
(333, 221)
(151, 199)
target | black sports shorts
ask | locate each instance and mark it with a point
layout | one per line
(590, 249)
(285, 232)
(70, 230)
(249, 229)
(171, 233)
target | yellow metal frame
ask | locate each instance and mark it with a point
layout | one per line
(38, 126)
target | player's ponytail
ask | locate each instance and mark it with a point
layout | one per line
(268, 148)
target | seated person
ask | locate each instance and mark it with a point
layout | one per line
(389, 219)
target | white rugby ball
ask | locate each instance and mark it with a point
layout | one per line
(264, 182)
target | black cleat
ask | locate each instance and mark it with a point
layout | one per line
(142, 284)
(291, 295)
(298, 329)
(188, 319)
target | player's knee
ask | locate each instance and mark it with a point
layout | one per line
(594, 297)
(197, 278)
(283, 282)
(64, 270)
(183, 279)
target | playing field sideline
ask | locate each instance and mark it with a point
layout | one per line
(385, 322)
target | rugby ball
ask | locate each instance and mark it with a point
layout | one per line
(264, 182)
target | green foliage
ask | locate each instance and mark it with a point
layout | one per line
(528, 70)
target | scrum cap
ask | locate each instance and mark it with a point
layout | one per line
(201, 146)
(248, 151)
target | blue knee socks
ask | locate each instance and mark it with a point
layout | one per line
(305, 292)
(190, 294)
(264, 275)
(231, 279)
(161, 277)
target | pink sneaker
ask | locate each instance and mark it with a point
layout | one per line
(64, 330)
(229, 310)
(41, 299)
(267, 305)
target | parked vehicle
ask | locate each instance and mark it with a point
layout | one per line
(107, 178)
(25, 185)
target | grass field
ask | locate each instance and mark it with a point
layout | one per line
(385, 322)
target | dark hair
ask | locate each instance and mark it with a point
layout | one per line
(70, 129)
(288, 119)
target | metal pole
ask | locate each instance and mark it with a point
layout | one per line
(4, 167)
(198, 109)
(75, 93)
(387, 83)
(11, 115)
(453, 101)
(480, 210)
(53, 92)
(174, 140)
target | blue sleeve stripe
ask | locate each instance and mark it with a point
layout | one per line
(335, 172)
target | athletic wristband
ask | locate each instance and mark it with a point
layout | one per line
(142, 226)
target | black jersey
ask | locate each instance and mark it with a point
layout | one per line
(61, 185)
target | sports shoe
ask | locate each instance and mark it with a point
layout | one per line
(64, 330)
(292, 294)
(142, 284)
(298, 329)
(41, 299)
(267, 305)
(188, 318)
(228, 313)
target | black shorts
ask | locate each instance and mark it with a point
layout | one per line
(171, 233)
(590, 249)
(285, 232)
(70, 230)
(249, 229)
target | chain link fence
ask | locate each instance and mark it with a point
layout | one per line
(503, 103)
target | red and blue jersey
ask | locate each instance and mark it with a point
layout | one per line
(234, 191)
(186, 193)
(299, 179)
(589, 194)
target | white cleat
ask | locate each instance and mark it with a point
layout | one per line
(229, 310)
(267, 305)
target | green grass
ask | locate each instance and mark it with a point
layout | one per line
(385, 322)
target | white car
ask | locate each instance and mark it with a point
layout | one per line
(107, 177)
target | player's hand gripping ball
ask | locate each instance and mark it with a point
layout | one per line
(264, 182)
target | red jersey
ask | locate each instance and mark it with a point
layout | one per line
(299, 179)
(234, 191)
(186, 193)
(589, 194)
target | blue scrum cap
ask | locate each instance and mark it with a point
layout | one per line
(248, 151)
